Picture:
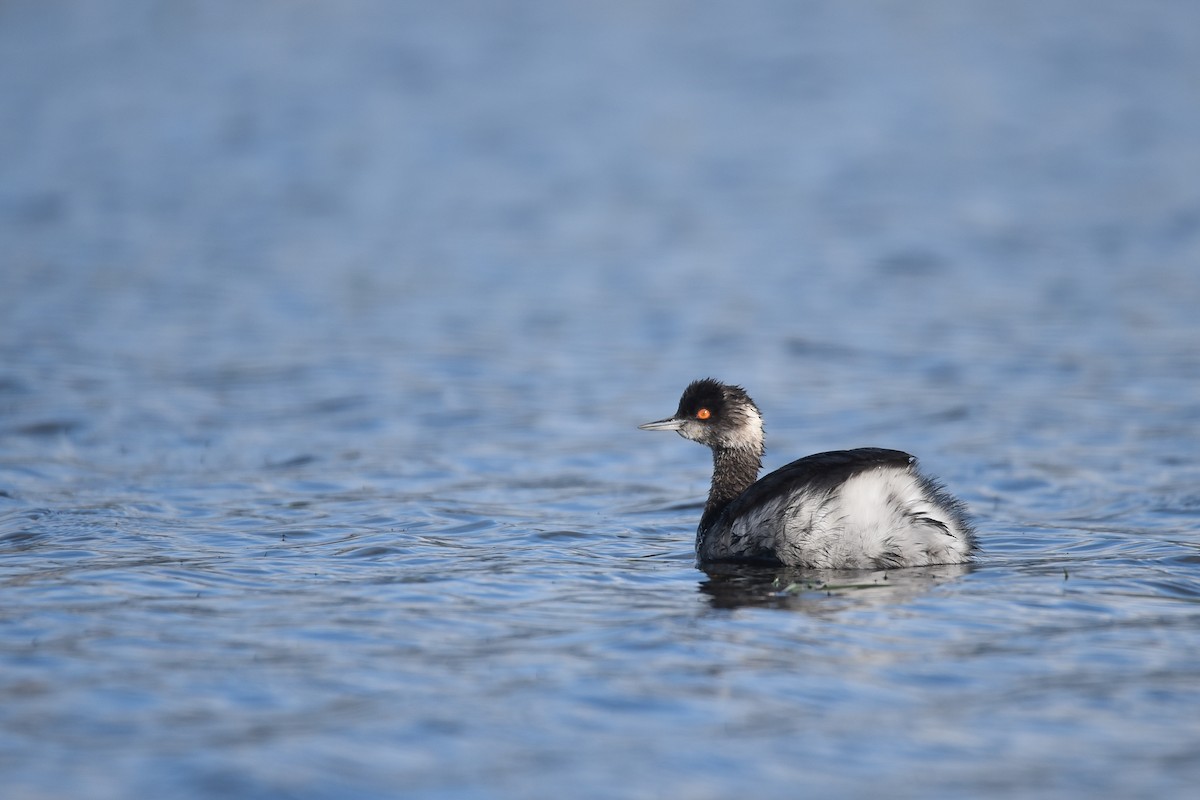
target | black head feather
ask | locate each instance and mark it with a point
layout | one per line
(719, 415)
(721, 399)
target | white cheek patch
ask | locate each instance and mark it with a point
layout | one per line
(691, 429)
(749, 434)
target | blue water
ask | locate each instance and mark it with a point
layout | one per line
(325, 329)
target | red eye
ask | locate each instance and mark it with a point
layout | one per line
(703, 413)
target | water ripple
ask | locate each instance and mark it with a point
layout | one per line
(324, 338)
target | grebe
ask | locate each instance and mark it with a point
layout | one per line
(847, 509)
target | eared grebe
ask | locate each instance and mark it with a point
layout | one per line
(847, 509)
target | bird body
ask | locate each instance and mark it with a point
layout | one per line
(867, 508)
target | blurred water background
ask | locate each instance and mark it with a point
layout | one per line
(325, 328)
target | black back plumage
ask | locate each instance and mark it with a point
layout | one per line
(820, 472)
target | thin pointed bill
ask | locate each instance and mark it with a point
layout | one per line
(671, 424)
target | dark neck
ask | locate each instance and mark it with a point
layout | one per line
(734, 470)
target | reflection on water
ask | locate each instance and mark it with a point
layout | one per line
(324, 337)
(732, 586)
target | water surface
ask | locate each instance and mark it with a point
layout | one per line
(325, 331)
